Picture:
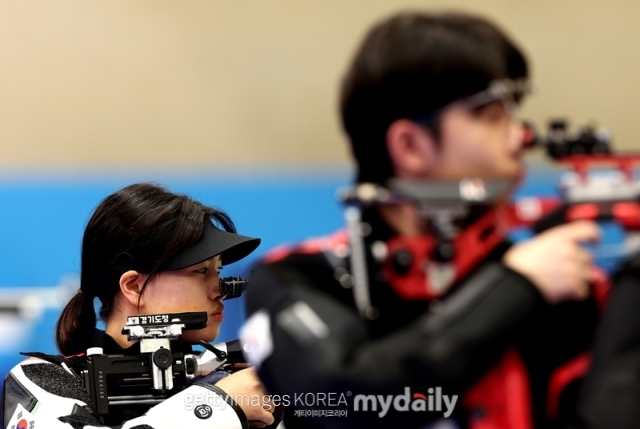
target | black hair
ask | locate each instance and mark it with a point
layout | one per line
(412, 64)
(147, 223)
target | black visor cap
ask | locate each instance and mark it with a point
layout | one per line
(232, 247)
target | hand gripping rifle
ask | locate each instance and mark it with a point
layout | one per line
(584, 192)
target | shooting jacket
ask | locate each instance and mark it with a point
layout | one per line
(46, 392)
(492, 340)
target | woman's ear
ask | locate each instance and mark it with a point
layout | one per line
(412, 149)
(131, 283)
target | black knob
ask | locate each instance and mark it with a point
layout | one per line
(402, 260)
(163, 358)
(558, 124)
(190, 366)
(443, 252)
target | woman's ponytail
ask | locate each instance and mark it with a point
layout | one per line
(74, 330)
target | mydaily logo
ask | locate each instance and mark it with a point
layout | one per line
(433, 401)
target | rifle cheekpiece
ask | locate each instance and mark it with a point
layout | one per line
(157, 373)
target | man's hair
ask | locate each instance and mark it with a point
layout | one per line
(412, 64)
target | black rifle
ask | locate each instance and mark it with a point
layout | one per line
(157, 372)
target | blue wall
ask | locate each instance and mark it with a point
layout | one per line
(42, 221)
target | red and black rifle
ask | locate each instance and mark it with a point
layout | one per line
(425, 267)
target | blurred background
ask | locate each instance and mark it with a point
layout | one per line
(235, 103)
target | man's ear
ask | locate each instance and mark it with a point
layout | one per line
(412, 149)
(131, 283)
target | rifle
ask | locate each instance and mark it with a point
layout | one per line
(158, 372)
(426, 267)
(586, 191)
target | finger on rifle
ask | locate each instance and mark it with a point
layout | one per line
(585, 291)
(579, 231)
(267, 417)
(582, 288)
(584, 256)
(238, 366)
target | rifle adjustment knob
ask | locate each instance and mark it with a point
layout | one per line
(402, 260)
(163, 358)
(190, 365)
(94, 351)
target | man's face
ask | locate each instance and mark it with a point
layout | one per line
(485, 142)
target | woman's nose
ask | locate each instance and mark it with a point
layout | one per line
(214, 292)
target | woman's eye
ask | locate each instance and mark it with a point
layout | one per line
(203, 270)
